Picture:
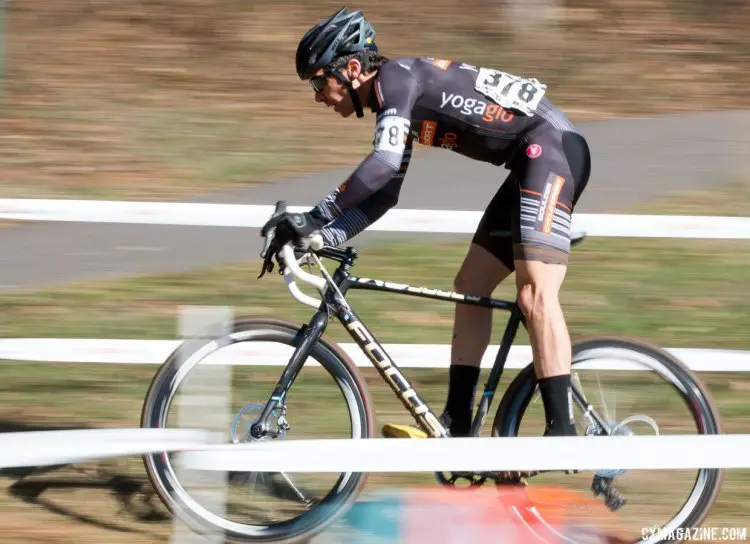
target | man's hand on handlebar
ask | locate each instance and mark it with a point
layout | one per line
(293, 227)
(285, 227)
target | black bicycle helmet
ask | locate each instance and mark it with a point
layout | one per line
(343, 33)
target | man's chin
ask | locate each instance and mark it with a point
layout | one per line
(343, 112)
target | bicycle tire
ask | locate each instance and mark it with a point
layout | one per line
(164, 481)
(708, 482)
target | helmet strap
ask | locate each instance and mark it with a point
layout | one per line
(352, 93)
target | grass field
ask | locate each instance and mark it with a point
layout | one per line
(675, 293)
(159, 100)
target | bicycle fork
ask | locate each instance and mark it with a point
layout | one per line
(308, 335)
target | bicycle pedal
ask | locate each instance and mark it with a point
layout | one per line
(514, 477)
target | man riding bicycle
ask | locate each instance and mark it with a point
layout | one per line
(484, 114)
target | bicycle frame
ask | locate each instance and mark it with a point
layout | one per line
(367, 341)
(334, 303)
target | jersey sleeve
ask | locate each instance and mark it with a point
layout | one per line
(356, 219)
(396, 90)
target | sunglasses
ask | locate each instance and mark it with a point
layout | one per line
(318, 83)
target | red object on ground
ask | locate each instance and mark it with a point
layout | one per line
(506, 514)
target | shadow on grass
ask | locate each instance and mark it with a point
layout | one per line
(137, 502)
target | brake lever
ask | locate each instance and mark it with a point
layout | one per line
(265, 253)
(267, 265)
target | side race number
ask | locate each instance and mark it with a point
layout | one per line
(509, 91)
(391, 134)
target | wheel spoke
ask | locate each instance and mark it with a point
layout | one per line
(640, 387)
(296, 490)
(266, 506)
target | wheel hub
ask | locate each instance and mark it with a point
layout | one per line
(619, 429)
(246, 428)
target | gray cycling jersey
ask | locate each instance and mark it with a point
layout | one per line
(481, 113)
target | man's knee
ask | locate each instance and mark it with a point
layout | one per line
(469, 280)
(534, 300)
(538, 285)
(480, 273)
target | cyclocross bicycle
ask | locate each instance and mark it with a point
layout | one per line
(270, 411)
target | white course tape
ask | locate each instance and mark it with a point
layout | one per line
(670, 452)
(73, 350)
(477, 454)
(663, 226)
(395, 220)
(45, 448)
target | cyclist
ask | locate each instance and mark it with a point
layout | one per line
(484, 114)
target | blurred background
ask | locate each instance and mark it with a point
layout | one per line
(198, 100)
(165, 98)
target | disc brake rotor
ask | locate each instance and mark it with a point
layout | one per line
(249, 415)
(622, 429)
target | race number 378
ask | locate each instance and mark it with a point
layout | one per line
(391, 134)
(511, 92)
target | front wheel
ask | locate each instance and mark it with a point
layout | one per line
(328, 399)
(633, 388)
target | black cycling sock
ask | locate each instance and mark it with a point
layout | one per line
(460, 404)
(558, 405)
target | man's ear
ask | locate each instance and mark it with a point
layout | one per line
(354, 69)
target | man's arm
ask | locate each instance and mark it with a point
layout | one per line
(396, 89)
(344, 226)
(336, 226)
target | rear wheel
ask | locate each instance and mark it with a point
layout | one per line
(327, 400)
(635, 388)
